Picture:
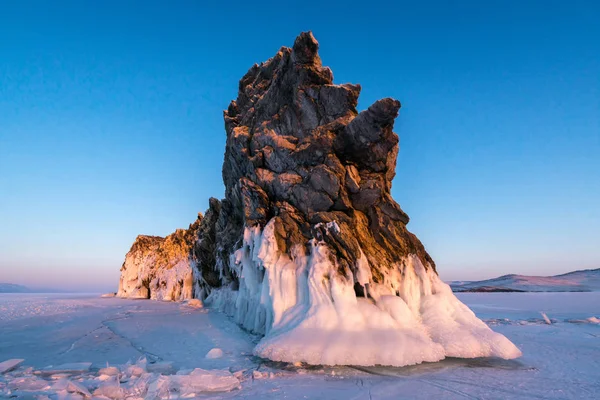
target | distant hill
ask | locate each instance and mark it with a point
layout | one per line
(12, 288)
(577, 281)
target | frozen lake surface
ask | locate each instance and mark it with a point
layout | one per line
(560, 360)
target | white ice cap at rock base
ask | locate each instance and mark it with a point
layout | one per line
(308, 313)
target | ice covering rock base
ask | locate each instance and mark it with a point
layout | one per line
(308, 247)
(312, 251)
(310, 313)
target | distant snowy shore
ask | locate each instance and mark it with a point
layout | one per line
(14, 288)
(577, 281)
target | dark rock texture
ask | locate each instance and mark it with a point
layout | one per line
(299, 152)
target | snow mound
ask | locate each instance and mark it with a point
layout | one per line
(310, 313)
(194, 303)
(214, 353)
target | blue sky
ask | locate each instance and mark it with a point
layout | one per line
(111, 124)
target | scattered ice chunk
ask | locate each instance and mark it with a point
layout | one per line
(162, 367)
(67, 389)
(137, 387)
(9, 365)
(159, 388)
(61, 384)
(201, 380)
(60, 376)
(590, 320)
(64, 395)
(214, 353)
(258, 375)
(76, 387)
(546, 319)
(28, 383)
(69, 368)
(195, 303)
(110, 371)
(110, 388)
(239, 374)
(134, 370)
(184, 371)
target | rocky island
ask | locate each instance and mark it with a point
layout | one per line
(308, 248)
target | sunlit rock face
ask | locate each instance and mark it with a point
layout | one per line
(158, 268)
(175, 267)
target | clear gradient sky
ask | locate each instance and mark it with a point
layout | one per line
(111, 124)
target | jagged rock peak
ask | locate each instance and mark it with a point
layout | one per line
(299, 152)
(305, 50)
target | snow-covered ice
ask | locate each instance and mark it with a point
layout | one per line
(560, 361)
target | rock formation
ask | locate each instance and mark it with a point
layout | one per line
(308, 248)
(301, 157)
(159, 268)
(174, 267)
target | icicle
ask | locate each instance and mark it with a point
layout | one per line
(308, 312)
